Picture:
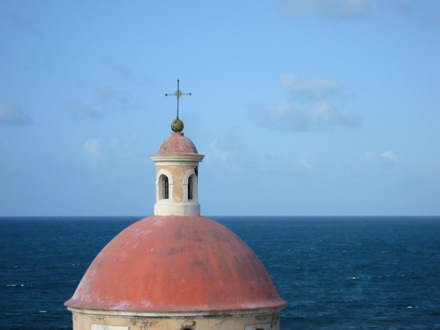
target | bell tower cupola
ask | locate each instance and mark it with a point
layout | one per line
(177, 163)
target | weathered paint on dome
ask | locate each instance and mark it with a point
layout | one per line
(177, 143)
(176, 264)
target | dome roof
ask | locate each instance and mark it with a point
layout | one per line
(176, 264)
(177, 143)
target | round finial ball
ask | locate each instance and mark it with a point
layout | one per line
(177, 125)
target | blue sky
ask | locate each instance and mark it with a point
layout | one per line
(319, 107)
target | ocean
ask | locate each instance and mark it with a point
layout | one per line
(335, 272)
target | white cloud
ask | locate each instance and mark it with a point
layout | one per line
(112, 155)
(114, 160)
(307, 163)
(329, 8)
(92, 147)
(310, 108)
(325, 115)
(317, 88)
(285, 117)
(219, 155)
(385, 159)
(281, 117)
(11, 113)
(387, 155)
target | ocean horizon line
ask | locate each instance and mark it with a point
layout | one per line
(140, 217)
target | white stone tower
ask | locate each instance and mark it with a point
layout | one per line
(177, 162)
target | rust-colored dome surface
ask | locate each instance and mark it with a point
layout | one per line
(177, 143)
(176, 264)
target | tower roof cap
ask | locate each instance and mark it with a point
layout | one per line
(177, 143)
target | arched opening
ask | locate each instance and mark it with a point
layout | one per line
(164, 187)
(190, 188)
(189, 183)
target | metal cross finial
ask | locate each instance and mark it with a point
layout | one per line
(178, 93)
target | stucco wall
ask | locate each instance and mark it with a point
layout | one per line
(92, 320)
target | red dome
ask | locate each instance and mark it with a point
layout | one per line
(176, 264)
(177, 143)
